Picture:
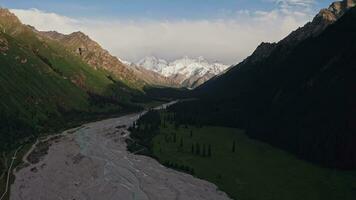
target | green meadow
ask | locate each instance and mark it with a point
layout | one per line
(248, 169)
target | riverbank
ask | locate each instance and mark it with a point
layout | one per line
(71, 121)
(93, 162)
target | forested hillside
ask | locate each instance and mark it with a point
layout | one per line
(299, 97)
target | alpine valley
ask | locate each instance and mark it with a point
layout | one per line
(77, 122)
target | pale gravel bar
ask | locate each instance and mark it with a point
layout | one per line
(93, 164)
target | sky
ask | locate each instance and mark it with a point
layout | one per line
(219, 30)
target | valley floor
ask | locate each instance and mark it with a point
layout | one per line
(245, 168)
(92, 163)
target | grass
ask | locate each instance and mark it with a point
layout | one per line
(255, 171)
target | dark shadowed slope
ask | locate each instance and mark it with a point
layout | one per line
(298, 96)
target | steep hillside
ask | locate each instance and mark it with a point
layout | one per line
(94, 55)
(41, 83)
(321, 21)
(297, 94)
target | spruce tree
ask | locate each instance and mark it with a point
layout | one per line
(204, 150)
(234, 146)
(209, 151)
(197, 149)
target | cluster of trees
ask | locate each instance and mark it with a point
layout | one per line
(178, 167)
(179, 119)
(143, 131)
(151, 121)
(201, 150)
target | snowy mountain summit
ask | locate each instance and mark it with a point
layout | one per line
(189, 72)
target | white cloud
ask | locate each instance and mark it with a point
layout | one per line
(295, 3)
(228, 40)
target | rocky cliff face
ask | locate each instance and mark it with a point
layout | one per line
(8, 20)
(320, 22)
(94, 55)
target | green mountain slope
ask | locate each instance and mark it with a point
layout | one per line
(94, 55)
(42, 82)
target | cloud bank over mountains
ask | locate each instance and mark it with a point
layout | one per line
(229, 38)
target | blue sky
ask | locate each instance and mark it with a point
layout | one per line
(152, 9)
(223, 30)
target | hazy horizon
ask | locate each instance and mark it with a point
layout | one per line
(226, 31)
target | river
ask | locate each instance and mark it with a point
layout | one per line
(92, 163)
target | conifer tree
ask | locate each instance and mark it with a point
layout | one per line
(197, 149)
(209, 151)
(234, 146)
(204, 150)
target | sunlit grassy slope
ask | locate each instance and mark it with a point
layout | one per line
(42, 83)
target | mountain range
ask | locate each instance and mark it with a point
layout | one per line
(187, 72)
(184, 72)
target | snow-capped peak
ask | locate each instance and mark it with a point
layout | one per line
(185, 67)
(153, 63)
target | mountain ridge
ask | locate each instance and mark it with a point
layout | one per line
(188, 72)
(93, 54)
(320, 22)
(297, 96)
(45, 86)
